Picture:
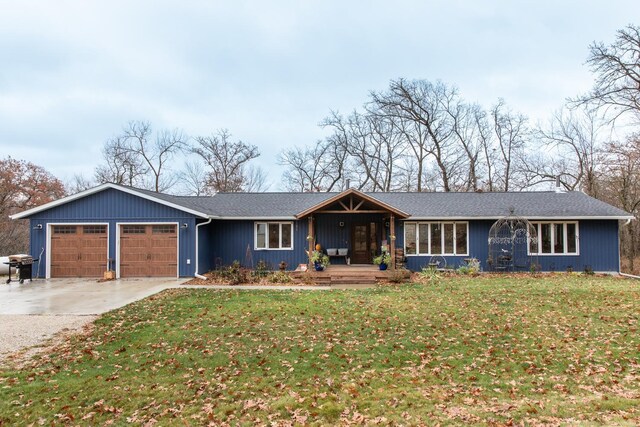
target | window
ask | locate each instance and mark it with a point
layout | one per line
(133, 229)
(94, 229)
(273, 235)
(64, 229)
(556, 238)
(436, 238)
(163, 229)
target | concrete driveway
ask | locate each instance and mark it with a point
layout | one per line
(77, 296)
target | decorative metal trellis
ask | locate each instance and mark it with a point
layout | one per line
(513, 244)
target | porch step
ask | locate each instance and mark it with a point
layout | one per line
(336, 275)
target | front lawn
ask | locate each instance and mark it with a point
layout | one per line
(497, 350)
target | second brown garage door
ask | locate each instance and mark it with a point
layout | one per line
(148, 250)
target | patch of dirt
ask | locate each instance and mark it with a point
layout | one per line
(24, 336)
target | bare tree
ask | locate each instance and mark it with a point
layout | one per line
(617, 69)
(424, 103)
(226, 159)
(467, 137)
(194, 179)
(256, 180)
(572, 142)
(308, 169)
(79, 183)
(120, 166)
(137, 155)
(511, 132)
(622, 185)
(154, 153)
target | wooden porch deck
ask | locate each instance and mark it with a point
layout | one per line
(346, 274)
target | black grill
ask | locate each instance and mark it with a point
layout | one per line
(23, 265)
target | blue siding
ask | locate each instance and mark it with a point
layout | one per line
(599, 248)
(478, 247)
(223, 241)
(330, 234)
(112, 206)
(229, 240)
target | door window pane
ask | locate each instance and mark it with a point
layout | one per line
(572, 239)
(410, 238)
(286, 236)
(436, 239)
(360, 238)
(461, 238)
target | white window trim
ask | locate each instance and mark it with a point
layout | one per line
(266, 241)
(441, 223)
(538, 226)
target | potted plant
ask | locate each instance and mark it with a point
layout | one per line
(383, 260)
(319, 260)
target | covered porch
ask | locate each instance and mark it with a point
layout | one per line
(352, 228)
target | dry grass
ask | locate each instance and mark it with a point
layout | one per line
(497, 350)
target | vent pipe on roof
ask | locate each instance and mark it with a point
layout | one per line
(347, 184)
(559, 188)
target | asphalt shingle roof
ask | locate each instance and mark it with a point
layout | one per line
(418, 205)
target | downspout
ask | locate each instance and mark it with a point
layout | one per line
(199, 276)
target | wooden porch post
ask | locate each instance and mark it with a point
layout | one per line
(311, 239)
(392, 241)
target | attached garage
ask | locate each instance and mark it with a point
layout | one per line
(148, 250)
(78, 250)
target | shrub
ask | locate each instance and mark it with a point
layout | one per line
(399, 275)
(383, 258)
(430, 274)
(262, 269)
(234, 273)
(280, 277)
(319, 258)
(472, 267)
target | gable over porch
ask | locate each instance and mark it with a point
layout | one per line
(353, 221)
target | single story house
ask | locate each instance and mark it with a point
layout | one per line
(142, 233)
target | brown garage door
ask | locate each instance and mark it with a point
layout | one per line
(148, 250)
(78, 250)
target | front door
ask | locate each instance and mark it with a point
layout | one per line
(363, 243)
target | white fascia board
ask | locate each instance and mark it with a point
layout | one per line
(531, 218)
(98, 189)
(256, 218)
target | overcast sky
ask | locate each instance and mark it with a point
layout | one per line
(72, 73)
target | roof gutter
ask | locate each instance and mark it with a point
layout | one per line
(200, 276)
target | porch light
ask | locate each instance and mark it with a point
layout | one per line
(184, 225)
(38, 227)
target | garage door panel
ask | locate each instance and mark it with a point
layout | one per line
(148, 250)
(78, 250)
